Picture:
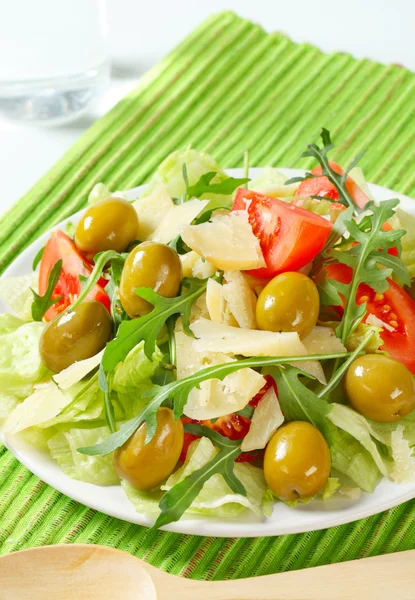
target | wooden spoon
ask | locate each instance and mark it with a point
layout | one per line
(86, 572)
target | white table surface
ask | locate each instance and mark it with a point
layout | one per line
(142, 32)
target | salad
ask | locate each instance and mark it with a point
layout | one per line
(220, 344)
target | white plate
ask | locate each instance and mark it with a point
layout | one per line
(284, 520)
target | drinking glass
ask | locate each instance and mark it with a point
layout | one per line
(53, 58)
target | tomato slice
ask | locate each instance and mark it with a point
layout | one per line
(394, 307)
(270, 382)
(322, 186)
(290, 237)
(60, 246)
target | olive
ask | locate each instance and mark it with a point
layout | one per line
(75, 335)
(297, 461)
(146, 466)
(153, 265)
(380, 388)
(110, 224)
(289, 302)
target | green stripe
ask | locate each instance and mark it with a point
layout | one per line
(227, 87)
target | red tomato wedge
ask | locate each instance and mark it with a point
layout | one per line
(290, 237)
(394, 307)
(60, 246)
(322, 186)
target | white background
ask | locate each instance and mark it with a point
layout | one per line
(141, 32)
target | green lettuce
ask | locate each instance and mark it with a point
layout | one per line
(132, 377)
(145, 502)
(271, 182)
(358, 177)
(17, 293)
(383, 431)
(170, 173)
(350, 458)
(98, 470)
(358, 334)
(357, 426)
(86, 402)
(20, 363)
(100, 192)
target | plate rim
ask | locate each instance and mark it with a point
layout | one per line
(48, 471)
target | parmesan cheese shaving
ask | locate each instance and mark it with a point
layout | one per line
(247, 342)
(265, 422)
(151, 210)
(227, 241)
(215, 398)
(240, 298)
(172, 223)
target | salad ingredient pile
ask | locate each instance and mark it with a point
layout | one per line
(219, 344)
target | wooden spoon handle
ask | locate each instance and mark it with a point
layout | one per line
(380, 578)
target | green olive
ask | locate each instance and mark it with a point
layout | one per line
(297, 461)
(75, 335)
(110, 224)
(145, 466)
(149, 265)
(289, 302)
(380, 388)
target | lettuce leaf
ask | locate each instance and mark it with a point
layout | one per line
(358, 334)
(145, 502)
(358, 177)
(20, 363)
(16, 293)
(357, 426)
(86, 402)
(332, 486)
(98, 470)
(100, 192)
(383, 431)
(271, 182)
(170, 173)
(403, 470)
(132, 377)
(350, 458)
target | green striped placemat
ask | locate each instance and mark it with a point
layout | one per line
(227, 87)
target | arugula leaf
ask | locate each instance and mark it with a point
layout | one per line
(179, 246)
(179, 390)
(207, 214)
(329, 295)
(41, 304)
(338, 180)
(37, 258)
(148, 327)
(178, 499)
(225, 187)
(298, 402)
(364, 258)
